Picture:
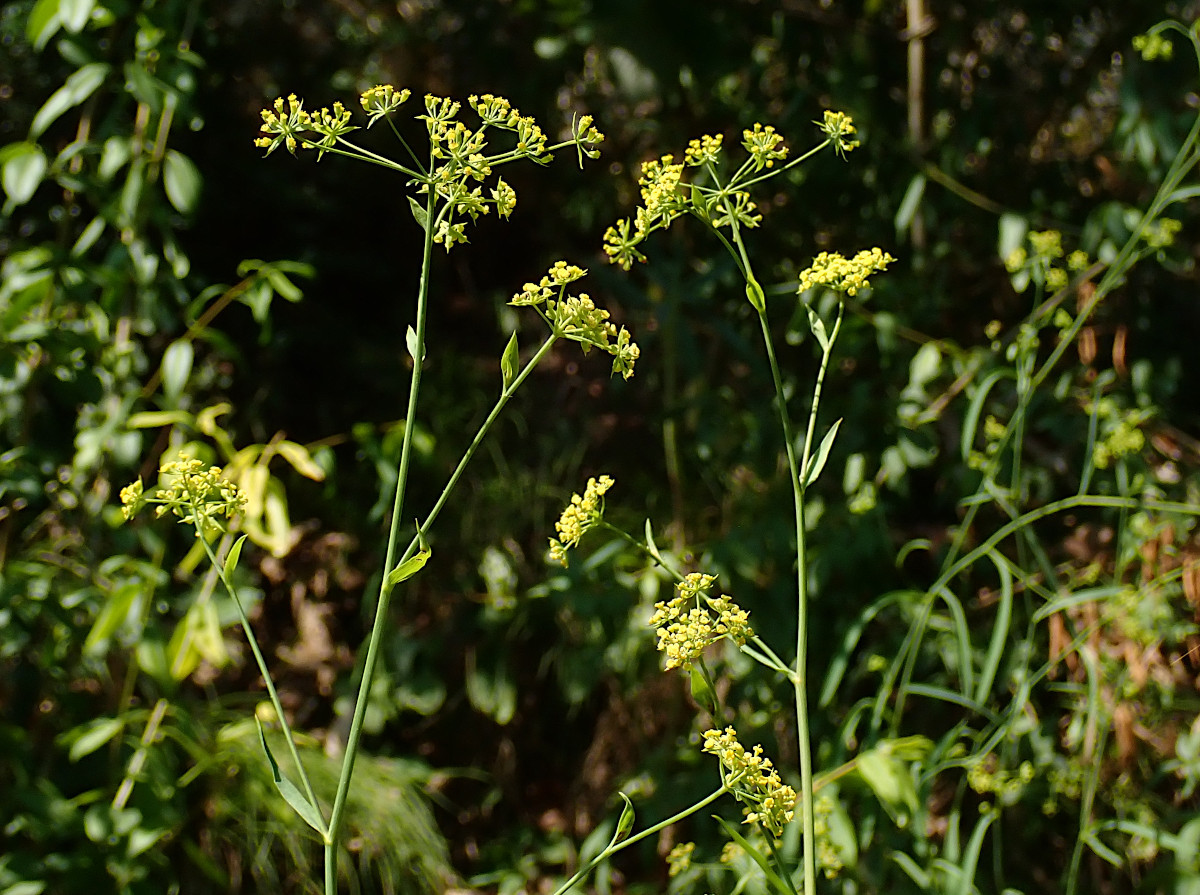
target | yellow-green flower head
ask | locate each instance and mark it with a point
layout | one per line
(284, 124)
(494, 110)
(131, 499)
(620, 244)
(848, 275)
(1046, 244)
(382, 100)
(331, 126)
(679, 858)
(764, 145)
(1016, 259)
(196, 493)
(581, 514)
(586, 136)
(660, 185)
(1153, 46)
(703, 150)
(505, 198)
(691, 621)
(1056, 278)
(1161, 233)
(1077, 260)
(839, 128)
(557, 277)
(768, 801)
(530, 139)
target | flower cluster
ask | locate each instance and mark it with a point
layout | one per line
(679, 858)
(194, 492)
(1153, 46)
(691, 621)
(1161, 233)
(839, 128)
(287, 123)
(764, 145)
(1042, 262)
(576, 317)
(841, 274)
(580, 515)
(769, 801)
(703, 150)
(660, 193)
(382, 100)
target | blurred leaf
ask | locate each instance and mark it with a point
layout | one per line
(909, 204)
(492, 691)
(78, 87)
(74, 14)
(89, 737)
(176, 368)
(22, 167)
(42, 23)
(182, 181)
(300, 459)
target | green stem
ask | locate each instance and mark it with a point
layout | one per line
(261, 662)
(613, 848)
(799, 676)
(337, 817)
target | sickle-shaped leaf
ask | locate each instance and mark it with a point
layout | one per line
(817, 463)
(408, 568)
(288, 790)
(508, 363)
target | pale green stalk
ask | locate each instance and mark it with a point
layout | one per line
(261, 662)
(337, 816)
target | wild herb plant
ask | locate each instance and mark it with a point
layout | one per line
(445, 192)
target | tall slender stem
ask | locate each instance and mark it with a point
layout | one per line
(337, 817)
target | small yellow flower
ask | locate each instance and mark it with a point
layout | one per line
(764, 145)
(834, 271)
(839, 128)
(1153, 46)
(703, 150)
(768, 801)
(691, 621)
(679, 858)
(581, 514)
(382, 100)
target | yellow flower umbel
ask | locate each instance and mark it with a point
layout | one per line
(839, 128)
(194, 492)
(581, 514)
(768, 801)
(691, 621)
(841, 274)
(576, 317)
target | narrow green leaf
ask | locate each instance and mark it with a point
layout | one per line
(181, 181)
(817, 325)
(755, 295)
(288, 790)
(410, 339)
(78, 87)
(408, 568)
(42, 23)
(152, 419)
(234, 554)
(909, 204)
(23, 167)
(781, 884)
(74, 14)
(817, 462)
(651, 547)
(418, 212)
(88, 237)
(95, 734)
(702, 691)
(176, 368)
(301, 460)
(508, 363)
(625, 824)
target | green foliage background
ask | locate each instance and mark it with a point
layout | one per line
(517, 698)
